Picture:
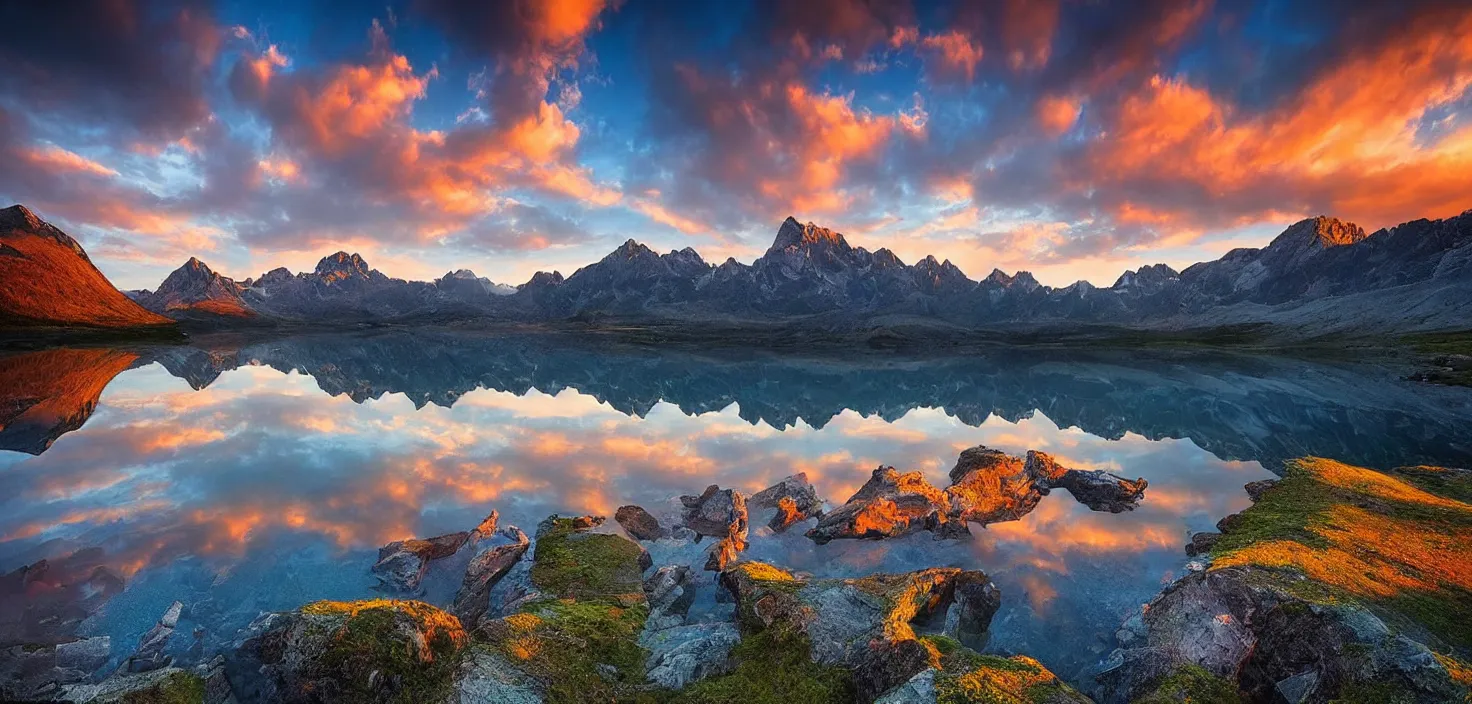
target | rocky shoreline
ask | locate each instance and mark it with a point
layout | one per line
(1338, 584)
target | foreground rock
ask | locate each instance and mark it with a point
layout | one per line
(989, 486)
(204, 684)
(639, 523)
(496, 557)
(377, 650)
(35, 672)
(863, 627)
(1303, 587)
(958, 674)
(577, 640)
(794, 498)
(401, 564)
(719, 513)
(150, 652)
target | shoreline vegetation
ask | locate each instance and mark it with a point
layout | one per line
(1338, 584)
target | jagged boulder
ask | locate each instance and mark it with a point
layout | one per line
(794, 498)
(890, 504)
(714, 511)
(377, 650)
(959, 674)
(1102, 491)
(865, 625)
(402, 564)
(639, 523)
(202, 684)
(670, 594)
(150, 653)
(493, 560)
(688, 653)
(988, 486)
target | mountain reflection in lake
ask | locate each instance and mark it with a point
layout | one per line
(223, 476)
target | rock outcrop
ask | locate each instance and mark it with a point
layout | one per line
(865, 626)
(150, 653)
(374, 650)
(577, 640)
(1302, 587)
(719, 513)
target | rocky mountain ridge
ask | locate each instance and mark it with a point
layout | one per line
(813, 273)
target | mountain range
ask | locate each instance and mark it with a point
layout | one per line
(1320, 275)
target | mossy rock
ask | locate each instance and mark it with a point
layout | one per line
(581, 643)
(577, 650)
(176, 688)
(1398, 543)
(572, 564)
(967, 677)
(375, 650)
(773, 666)
(1191, 684)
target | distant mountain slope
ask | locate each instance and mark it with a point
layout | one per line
(48, 280)
(195, 289)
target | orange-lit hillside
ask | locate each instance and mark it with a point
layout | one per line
(46, 279)
(46, 394)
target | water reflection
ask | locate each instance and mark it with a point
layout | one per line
(224, 477)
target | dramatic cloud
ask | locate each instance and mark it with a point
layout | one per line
(1070, 138)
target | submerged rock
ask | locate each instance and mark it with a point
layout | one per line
(865, 625)
(684, 654)
(639, 523)
(150, 653)
(487, 568)
(670, 594)
(359, 651)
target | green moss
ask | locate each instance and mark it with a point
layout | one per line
(1373, 693)
(1288, 512)
(1440, 481)
(563, 642)
(773, 666)
(373, 638)
(1191, 684)
(570, 564)
(177, 688)
(1395, 542)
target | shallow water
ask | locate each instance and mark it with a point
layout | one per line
(248, 476)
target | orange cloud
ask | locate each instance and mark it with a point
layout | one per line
(1347, 144)
(958, 52)
(1057, 114)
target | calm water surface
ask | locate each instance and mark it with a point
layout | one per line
(241, 477)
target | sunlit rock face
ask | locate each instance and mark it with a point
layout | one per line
(196, 290)
(50, 281)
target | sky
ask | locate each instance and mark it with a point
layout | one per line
(1071, 138)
